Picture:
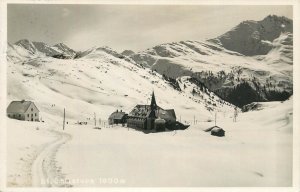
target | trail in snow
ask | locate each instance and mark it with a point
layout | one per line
(44, 171)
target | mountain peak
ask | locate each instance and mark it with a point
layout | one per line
(127, 52)
(61, 45)
(23, 42)
(64, 49)
(276, 18)
(255, 37)
(26, 44)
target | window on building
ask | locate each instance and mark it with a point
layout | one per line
(19, 115)
(8, 115)
(27, 115)
(31, 109)
(35, 114)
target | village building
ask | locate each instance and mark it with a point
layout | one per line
(117, 117)
(23, 110)
(216, 131)
(151, 117)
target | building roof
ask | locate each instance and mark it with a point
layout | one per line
(217, 129)
(117, 115)
(168, 114)
(18, 106)
(141, 111)
(214, 129)
(144, 111)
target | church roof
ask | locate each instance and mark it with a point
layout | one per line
(141, 111)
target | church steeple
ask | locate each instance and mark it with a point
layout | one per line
(153, 104)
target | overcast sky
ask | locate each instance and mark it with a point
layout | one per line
(134, 27)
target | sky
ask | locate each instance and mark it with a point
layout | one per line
(133, 27)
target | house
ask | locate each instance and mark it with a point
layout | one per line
(216, 131)
(23, 110)
(117, 117)
(151, 117)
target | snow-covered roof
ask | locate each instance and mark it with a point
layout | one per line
(168, 114)
(141, 111)
(144, 111)
(117, 115)
(217, 129)
(18, 106)
(214, 128)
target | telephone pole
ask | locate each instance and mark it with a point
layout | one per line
(215, 118)
(95, 118)
(64, 119)
(194, 120)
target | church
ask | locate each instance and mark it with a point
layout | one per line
(151, 118)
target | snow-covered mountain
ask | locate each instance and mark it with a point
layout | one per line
(38, 49)
(255, 37)
(44, 48)
(64, 49)
(27, 45)
(98, 52)
(127, 52)
(227, 71)
(102, 82)
(17, 53)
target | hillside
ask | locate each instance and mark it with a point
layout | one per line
(255, 37)
(224, 70)
(101, 82)
(36, 49)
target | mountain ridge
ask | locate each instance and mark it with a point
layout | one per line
(222, 70)
(38, 48)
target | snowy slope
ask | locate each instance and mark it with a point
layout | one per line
(281, 53)
(194, 158)
(39, 49)
(127, 52)
(64, 49)
(99, 82)
(251, 154)
(44, 48)
(255, 37)
(267, 77)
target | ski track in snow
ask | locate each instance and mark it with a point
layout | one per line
(44, 170)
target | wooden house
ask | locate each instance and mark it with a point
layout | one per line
(117, 117)
(216, 131)
(23, 110)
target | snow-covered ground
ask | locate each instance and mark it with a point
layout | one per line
(256, 151)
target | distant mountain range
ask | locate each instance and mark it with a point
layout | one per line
(40, 48)
(251, 62)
